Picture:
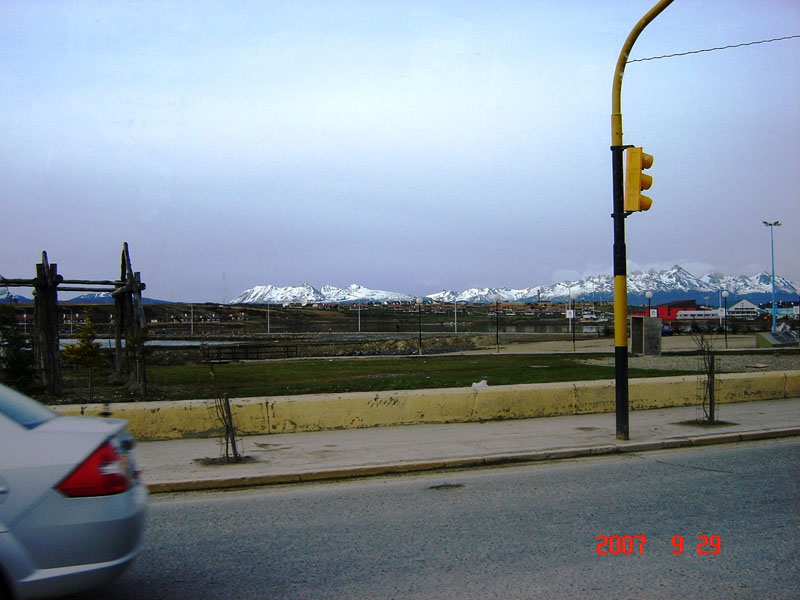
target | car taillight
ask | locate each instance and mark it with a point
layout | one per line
(104, 473)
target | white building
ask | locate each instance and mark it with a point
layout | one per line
(744, 310)
(694, 315)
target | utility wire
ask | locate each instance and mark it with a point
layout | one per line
(788, 37)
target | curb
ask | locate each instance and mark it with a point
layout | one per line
(180, 419)
(228, 483)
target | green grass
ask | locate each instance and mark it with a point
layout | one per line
(275, 378)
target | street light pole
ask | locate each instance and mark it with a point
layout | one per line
(649, 296)
(497, 321)
(419, 318)
(797, 291)
(620, 252)
(725, 316)
(772, 227)
(573, 297)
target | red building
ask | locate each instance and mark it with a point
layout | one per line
(670, 310)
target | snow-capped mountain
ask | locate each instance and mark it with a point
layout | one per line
(270, 294)
(481, 295)
(676, 284)
(358, 293)
(668, 285)
(7, 296)
(92, 298)
(105, 298)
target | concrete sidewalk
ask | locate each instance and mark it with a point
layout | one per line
(188, 464)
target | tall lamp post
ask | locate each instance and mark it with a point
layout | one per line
(573, 297)
(725, 316)
(649, 296)
(797, 291)
(497, 321)
(619, 215)
(772, 227)
(419, 320)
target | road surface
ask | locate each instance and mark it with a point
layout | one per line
(518, 532)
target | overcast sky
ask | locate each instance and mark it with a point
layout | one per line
(409, 146)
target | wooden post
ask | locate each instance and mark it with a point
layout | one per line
(129, 321)
(122, 312)
(130, 326)
(139, 327)
(119, 335)
(45, 310)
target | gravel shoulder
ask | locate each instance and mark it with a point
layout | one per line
(726, 363)
(740, 356)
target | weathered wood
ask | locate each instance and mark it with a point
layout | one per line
(120, 291)
(129, 320)
(32, 282)
(120, 363)
(93, 282)
(130, 326)
(18, 282)
(73, 288)
(45, 310)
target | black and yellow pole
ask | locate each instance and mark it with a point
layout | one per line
(620, 252)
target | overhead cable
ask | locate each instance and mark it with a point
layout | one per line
(788, 37)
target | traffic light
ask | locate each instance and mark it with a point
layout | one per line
(636, 181)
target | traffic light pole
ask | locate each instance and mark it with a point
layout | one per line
(620, 298)
(620, 252)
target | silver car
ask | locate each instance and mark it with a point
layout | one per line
(72, 504)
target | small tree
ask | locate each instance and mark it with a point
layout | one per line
(16, 355)
(705, 345)
(136, 350)
(86, 353)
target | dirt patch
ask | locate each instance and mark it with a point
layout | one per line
(221, 461)
(705, 424)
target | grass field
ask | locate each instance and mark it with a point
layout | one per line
(275, 378)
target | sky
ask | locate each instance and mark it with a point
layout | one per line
(410, 146)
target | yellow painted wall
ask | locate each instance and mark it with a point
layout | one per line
(289, 414)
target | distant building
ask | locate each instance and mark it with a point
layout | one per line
(670, 310)
(687, 310)
(697, 315)
(744, 310)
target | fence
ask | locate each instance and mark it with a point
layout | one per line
(234, 352)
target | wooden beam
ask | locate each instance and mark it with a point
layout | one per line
(18, 282)
(93, 282)
(83, 289)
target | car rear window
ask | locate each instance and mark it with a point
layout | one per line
(23, 410)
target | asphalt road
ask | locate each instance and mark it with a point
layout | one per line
(521, 532)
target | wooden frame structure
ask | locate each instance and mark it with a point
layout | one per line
(129, 323)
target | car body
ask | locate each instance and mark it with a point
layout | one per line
(72, 504)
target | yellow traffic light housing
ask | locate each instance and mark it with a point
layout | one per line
(635, 180)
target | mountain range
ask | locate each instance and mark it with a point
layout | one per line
(667, 286)
(89, 298)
